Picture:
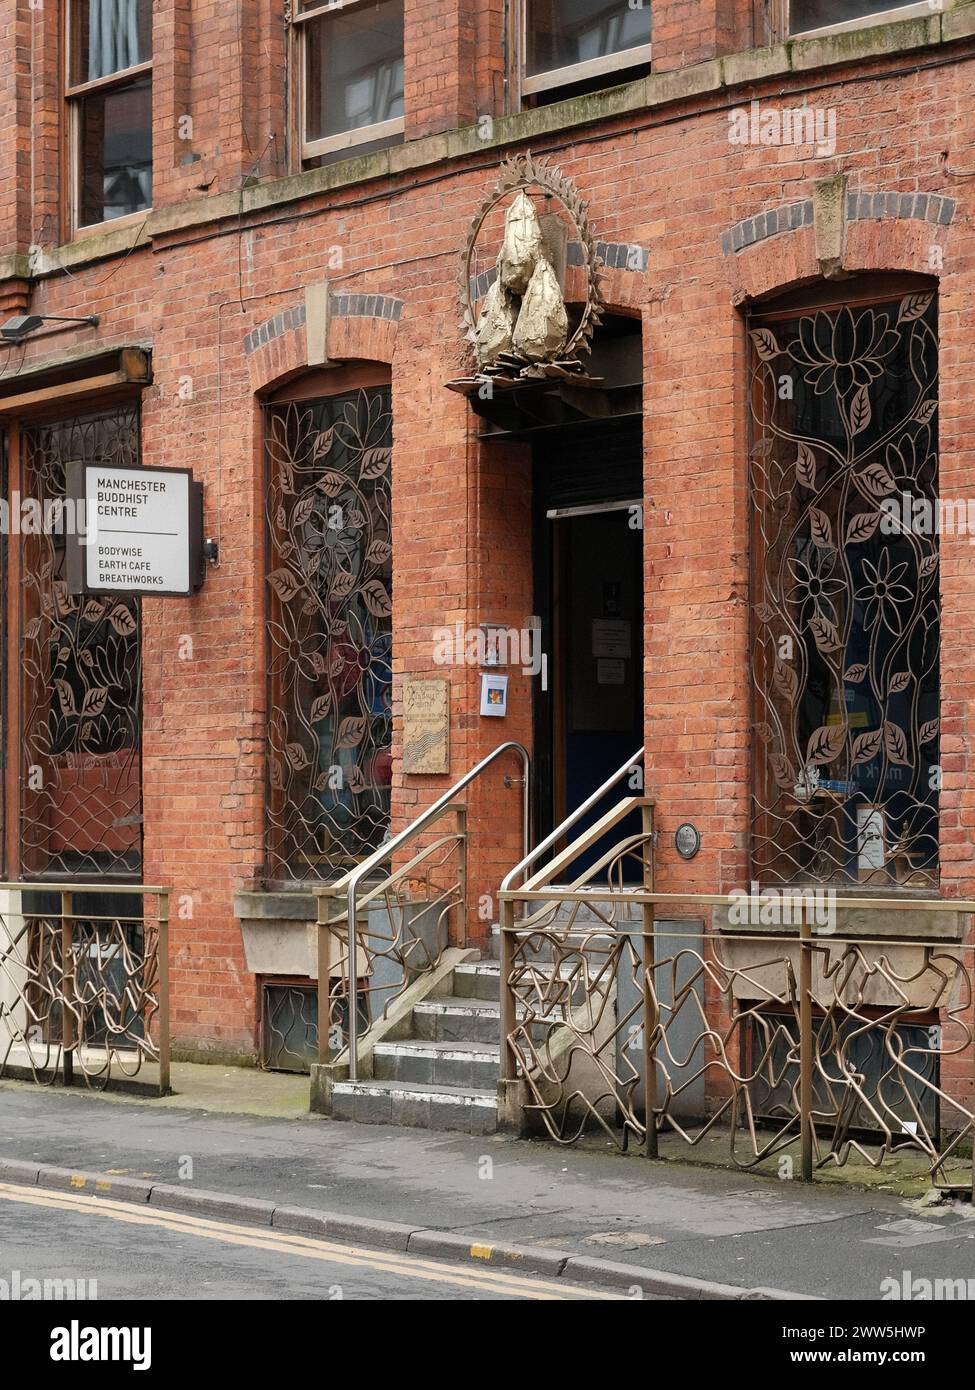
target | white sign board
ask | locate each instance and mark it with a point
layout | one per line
(612, 637)
(139, 533)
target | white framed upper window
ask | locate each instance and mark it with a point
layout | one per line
(108, 88)
(810, 17)
(569, 41)
(351, 65)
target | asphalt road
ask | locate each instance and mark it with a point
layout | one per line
(131, 1254)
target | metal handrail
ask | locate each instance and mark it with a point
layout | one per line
(635, 894)
(44, 885)
(558, 833)
(349, 883)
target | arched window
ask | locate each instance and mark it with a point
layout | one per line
(846, 519)
(329, 624)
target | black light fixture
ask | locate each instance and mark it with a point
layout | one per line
(22, 325)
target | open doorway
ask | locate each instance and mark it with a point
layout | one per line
(589, 595)
(586, 439)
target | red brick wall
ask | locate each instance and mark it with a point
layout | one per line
(441, 62)
(692, 31)
(15, 42)
(461, 510)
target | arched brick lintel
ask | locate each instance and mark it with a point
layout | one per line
(790, 260)
(624, 291)
(360, 328)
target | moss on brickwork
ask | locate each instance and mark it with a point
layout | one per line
(959, 22)
(95, 247)
(855, 45)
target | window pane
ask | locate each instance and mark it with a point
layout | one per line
(109, 36)
(115, 152)
(820, 14)
(354, 69)
(564, 32)
(846, 620)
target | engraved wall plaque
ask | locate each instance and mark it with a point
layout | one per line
(426, 726)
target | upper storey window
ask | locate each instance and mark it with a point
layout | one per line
(808, 16)
(352, 62)
(575, 41)
(109, 90)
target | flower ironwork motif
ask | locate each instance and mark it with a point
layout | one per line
(840, 352)
(845, 588)
(885, 597)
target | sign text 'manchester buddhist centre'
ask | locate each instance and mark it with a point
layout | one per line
(139, 525)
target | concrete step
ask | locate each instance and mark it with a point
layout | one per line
(462, 1108)
(471, 1020)
(455, 1019)
(468, 1064)
(478, 979)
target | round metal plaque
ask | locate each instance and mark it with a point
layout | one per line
(687, 840)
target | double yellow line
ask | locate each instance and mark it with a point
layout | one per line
(486, 1281)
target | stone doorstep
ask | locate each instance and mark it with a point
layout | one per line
(416, 1105)
(460, 1006)
(450, 1051)
(452, 1063)
(449, 1095)
(491, 970)
(478, 980)
(463, 1020)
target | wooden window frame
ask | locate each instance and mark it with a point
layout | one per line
(74, 94)
(346, 139)
(867, 21)
(549, 81)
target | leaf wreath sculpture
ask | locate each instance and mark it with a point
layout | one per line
(522, 328)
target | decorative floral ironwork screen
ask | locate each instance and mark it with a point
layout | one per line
(81, 674)
(846, 521)
(329, 632)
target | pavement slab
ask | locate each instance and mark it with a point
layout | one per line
(700, 1224)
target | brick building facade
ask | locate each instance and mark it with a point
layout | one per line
(279, 270)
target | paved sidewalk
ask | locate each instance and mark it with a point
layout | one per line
(726, 1227)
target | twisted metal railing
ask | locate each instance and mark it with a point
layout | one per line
(401, 899)
(81, 988)
(845, 1046)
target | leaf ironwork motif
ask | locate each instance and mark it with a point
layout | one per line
(81, 811)
(329, 633)
(843, 471)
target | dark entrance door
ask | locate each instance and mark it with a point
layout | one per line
(589, 578)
